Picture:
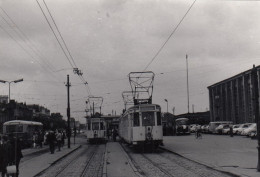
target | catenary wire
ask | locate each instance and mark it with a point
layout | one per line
(160, 49)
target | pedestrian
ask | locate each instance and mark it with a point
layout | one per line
(114, 134)
(3, 155)
(51, 139)
(59, 138)
(40, 138)
(14, 152)
(35, 137)
(63, 136)
(108, 134)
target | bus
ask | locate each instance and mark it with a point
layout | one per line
(182, 126)
(23, 130)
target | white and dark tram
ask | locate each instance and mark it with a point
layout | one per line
(96, 130)
(141, 126)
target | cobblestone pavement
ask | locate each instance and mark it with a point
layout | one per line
(162, 163)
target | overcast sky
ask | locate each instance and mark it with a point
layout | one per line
(108, 39)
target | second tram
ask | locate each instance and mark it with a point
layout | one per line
(96, 130)
(141, 125)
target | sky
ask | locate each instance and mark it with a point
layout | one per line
(109, 39)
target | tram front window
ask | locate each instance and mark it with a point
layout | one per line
(95, 126)
(148, 119)
(102, 126)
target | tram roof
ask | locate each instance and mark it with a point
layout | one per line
(143, 105)
(23, 122)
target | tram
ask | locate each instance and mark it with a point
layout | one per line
(141, 126)
(23, 130)
(96, 130)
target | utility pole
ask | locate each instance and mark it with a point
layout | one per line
(68, 110)
(256, 106)
(188, 83)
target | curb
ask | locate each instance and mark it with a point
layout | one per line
(59, 159)
(104, 174)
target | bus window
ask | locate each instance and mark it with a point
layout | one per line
(159, 118)
(136, 119)
(14, 128)
(148, 118)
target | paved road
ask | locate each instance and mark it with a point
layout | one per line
(233, 154)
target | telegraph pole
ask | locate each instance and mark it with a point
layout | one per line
(256, 105)
(68, 110)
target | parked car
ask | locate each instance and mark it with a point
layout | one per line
(193, 128)
(247, 131)
(223, 129)
(205, 128)
(242, 127)
(253, 134)
(235, 127)
(226, 129)
(214, 125)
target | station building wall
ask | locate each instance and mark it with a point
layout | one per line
(232, 99)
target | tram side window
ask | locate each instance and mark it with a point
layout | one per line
(159, 118)
(136, 119)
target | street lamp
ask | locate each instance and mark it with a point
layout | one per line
(9, 82)
(167, 104)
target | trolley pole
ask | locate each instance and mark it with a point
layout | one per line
(68, 110)
(256, 105)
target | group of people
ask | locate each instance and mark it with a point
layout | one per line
(38, 138)
(10, 154)
(55, 138)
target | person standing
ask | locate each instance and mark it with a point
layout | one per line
(59, 138)
(3, 155)
(14, 152)
(62, 138)
(114, 134)
(51, 139)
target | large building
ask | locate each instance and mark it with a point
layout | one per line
(232, 99)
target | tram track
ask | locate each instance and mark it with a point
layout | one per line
(77, 166)
(83, 163)
(170, 164)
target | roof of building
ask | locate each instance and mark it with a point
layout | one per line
(234, 77)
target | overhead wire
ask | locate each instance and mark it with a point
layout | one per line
(174, 30)
(24, 37)
(22, 47)
(55, 34)
(68, 56)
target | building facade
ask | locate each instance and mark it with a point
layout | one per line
(233, 99)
